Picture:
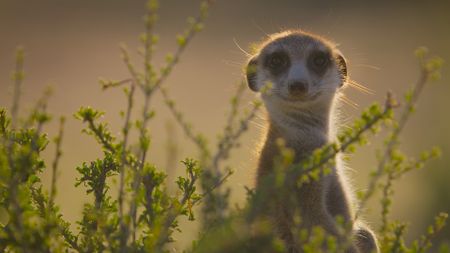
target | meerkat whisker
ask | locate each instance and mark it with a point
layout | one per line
(232, 63)
(241, 49)
(266, 34)
(360, 87)
(348, 101)
(368, 66)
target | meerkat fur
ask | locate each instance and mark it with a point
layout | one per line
(306, 74)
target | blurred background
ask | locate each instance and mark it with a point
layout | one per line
(71, 44)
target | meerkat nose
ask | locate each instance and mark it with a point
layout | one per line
(298, 88)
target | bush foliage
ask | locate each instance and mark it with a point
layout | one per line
(144, 215)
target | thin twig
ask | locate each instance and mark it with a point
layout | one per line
(190, 33)
(387, 188)
(212, 188)
(148, 44)
(18, 77)
(148, 89)
(393, 140)
(185, 126)
(174, 212)
(106, 144)
(125, 131)
(228, 130)
(230, 141)
(126, 58)
(344, 146)
(235, 104)
(58, 153)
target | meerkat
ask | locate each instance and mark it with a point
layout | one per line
(306, 73)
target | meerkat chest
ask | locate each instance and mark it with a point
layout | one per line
(304, 141)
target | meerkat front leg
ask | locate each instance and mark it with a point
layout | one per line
(338, 205)
(365, 239)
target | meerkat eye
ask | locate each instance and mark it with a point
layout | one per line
(277, 61)
(320, 59)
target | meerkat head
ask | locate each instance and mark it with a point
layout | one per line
(297, 69)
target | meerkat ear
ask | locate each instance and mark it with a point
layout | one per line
(342, 65)
(250, 72)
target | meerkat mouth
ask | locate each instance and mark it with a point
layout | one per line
(299, 99)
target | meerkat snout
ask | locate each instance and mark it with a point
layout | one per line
(298, 88)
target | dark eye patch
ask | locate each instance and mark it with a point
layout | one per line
(277, 62)
(319, 61)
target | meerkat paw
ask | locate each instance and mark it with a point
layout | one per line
(365, 241)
